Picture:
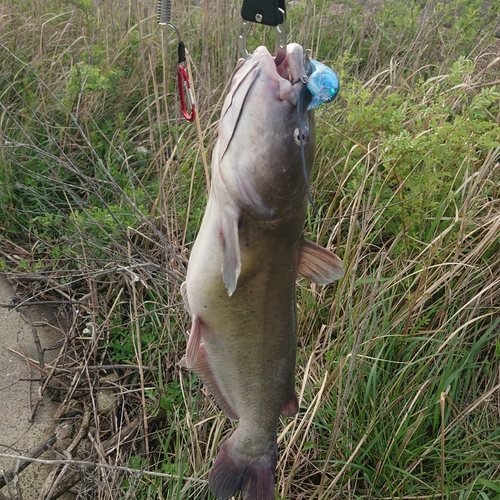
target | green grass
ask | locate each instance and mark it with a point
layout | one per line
(102, 190)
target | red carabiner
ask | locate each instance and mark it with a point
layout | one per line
(185, 88)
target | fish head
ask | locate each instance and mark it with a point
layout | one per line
(266, 135)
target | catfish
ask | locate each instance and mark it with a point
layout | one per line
(240, 287)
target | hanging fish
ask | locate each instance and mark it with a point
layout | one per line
(240, 285)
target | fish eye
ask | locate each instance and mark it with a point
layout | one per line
(301, 134)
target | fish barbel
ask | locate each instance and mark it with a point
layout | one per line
(240, 285)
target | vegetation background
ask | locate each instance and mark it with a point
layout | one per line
(102, 189)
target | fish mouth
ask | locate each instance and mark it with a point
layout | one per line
(289, 73)
(294, 67)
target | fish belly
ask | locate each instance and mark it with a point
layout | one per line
(248, 344)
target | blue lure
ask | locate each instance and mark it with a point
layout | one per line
(323, 84)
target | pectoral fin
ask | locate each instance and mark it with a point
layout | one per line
(194, 342)
(184, 296)
(203, 369)
(231, 265)
(319, 264)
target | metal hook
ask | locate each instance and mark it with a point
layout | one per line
(185, 88)
(182, 76)
(280, 43)
(242, 38)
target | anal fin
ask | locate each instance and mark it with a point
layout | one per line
(291, 407)
(203, 369)
(319, 264)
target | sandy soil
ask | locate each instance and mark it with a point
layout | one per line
(18, 395)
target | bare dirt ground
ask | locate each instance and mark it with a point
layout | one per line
(26, 419)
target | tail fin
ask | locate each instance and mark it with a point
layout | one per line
(234, 471)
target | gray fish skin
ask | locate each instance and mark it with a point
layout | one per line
(240, 285)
